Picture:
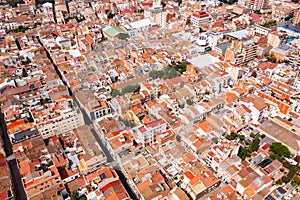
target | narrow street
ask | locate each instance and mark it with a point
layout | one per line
(88, 122)
(18, 189)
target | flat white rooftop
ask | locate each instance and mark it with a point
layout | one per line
(141, 23)
(203, 60)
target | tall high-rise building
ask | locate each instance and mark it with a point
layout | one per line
(159, 16)
(243, 49)
(296, 19)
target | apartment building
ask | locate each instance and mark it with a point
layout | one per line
(294, 59)
(56, 118)
(199, 18)
(39, 174)
(148, 132)
(243, 48)
(280, 11)
(254, 4)
(296, 19)
(94, 107)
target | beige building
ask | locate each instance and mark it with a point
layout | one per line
(274, 38)
(243, 48)
(56, 118)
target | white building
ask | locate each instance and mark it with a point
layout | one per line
(160, 18)
(135, 28)
(262, 30)
(199, 18)
(147, 133)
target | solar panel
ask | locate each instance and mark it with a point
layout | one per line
(269, 198)
(102, 176)
(281, 190)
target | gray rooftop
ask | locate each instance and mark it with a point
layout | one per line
(224, 45)
(239, 34)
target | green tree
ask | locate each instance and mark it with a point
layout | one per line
(297, 180)
(254, 144)
(242, 137)
(269, 24)
(24, 73)
(14, 3)
(26, 62)
(297, 159)
(43, 1)
(128, 123)
(286, 179)
(188, 21)
(280, 150)
(110, 15)
(257, 12)
(271, 57)
(81, 19)
(189, 102)
(171, 73)
(231, 136)
(130, 88)
(180, 67)
(156, 74)
(254, 74)
(115, 93)
(179, 2)
(243, 153)
(290, 16)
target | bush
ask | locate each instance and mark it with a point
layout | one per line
(271, 58)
